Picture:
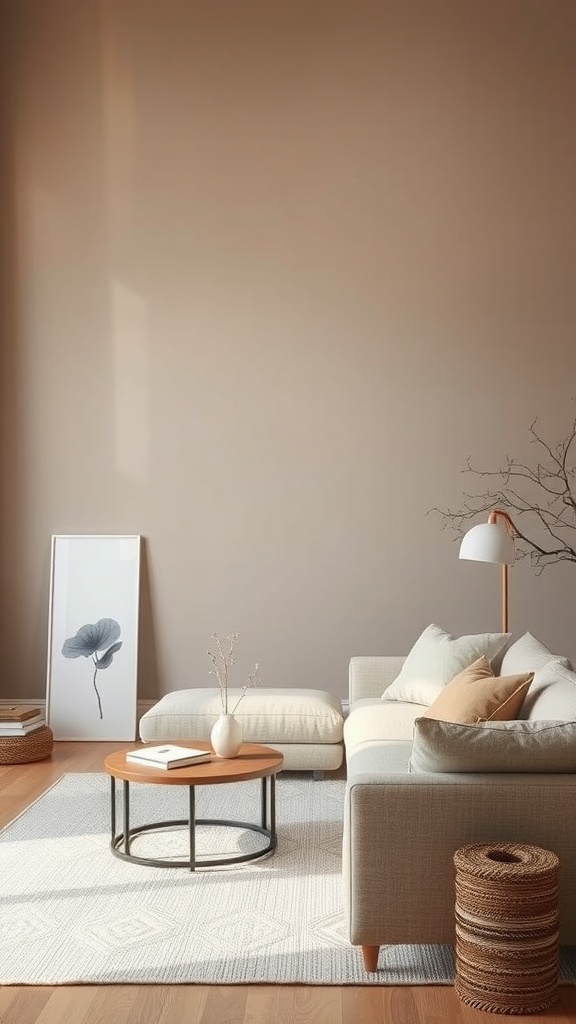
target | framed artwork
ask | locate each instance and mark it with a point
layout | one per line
(93, 637)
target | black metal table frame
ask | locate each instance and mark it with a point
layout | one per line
(120, 843)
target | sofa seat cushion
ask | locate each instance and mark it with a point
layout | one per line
(374, 721)
(266, 715)
(371, 761)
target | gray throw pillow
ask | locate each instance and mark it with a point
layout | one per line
(528, 746)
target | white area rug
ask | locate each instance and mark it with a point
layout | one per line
(72, 912)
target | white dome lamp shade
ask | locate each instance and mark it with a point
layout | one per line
(492, 542)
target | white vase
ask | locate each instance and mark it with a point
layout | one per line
(226, 736)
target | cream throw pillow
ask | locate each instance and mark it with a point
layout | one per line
(493, 747)
(552, 694)
(435, 659)
(527, 654)
(476, 694)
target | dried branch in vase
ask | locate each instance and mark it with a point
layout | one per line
(222, 658)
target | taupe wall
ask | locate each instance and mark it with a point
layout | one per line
(273, 271)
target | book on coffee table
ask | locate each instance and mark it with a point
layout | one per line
(168, 756)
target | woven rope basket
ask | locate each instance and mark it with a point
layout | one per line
(507, 927)
(34, 746)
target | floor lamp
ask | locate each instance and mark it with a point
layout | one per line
(492, 542)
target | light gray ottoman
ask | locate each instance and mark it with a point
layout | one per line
(304, 725)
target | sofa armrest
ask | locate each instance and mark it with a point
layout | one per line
(401, 832)
(370, 675)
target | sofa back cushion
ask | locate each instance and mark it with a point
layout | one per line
(493, 746)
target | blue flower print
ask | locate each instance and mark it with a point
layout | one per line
(89, 640)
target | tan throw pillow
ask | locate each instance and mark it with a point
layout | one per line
(477, 695)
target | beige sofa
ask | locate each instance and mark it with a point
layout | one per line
(401, 828)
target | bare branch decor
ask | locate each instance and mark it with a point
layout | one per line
(541, 498)
(221, 659)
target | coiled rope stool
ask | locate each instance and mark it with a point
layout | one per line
(33, 746)
(507, 927)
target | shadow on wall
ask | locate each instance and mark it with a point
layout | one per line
(12, 522)
(148, 682)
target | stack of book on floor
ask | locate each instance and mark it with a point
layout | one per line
(168, 756)
(20, 719)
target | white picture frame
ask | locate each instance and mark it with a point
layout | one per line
(92, 671)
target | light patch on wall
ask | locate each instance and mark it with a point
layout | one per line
(131, 383)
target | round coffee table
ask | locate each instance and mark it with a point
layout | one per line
(253, 762)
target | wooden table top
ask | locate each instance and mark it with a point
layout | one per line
(253, 762)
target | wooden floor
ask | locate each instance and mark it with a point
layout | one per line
(199, 1004)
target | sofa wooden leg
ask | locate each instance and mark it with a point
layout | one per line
(370, 957)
